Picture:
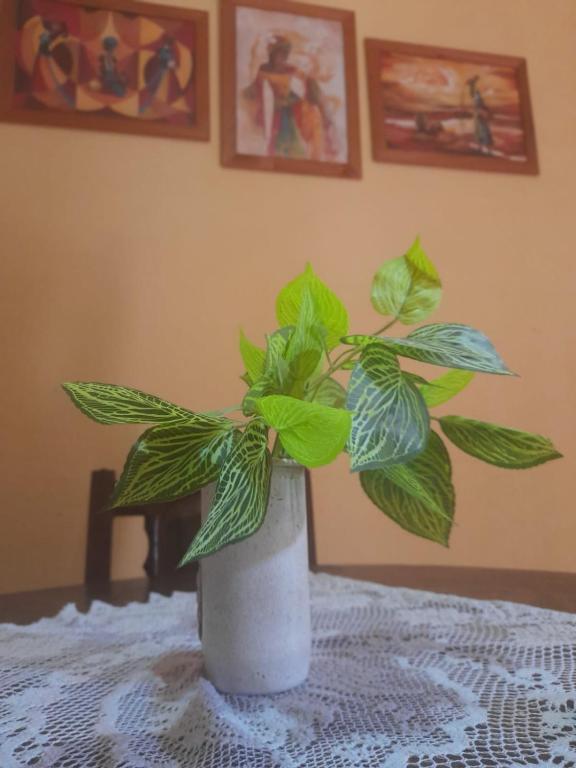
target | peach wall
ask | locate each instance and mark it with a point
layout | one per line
(135, 260)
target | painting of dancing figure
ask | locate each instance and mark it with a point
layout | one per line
(289, 90)
(112, 65)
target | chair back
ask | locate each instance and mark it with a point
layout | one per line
(170, 527)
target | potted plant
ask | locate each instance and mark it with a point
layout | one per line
(296, 414)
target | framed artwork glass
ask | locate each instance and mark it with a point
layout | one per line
(111, 65)
(289, 94)
(446, 107)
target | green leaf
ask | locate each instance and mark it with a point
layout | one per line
(305, 347)
(310, 433)
(390, 422)
(408, 287)
(253, 358)
(275, 365)
(330, 393)
(360, 340)
(445, 387)
(448, 344)
(419, 495)
(501, 446)
(264, 386)
(241, 498)
(276, 376)
(415, 378)
(168, 462)
(111, 404)
(329, 309)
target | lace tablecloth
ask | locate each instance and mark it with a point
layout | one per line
(399, 679)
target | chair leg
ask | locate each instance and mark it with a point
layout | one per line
(99, 538)
(151, 524)
(312, 554)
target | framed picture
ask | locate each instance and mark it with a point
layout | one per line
(451, 108)
(289, 94)
(109, 65)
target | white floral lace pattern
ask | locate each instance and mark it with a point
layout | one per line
(399, 679)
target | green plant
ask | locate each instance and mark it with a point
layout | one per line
(381, 420)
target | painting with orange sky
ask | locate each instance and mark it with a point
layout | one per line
(433, 105)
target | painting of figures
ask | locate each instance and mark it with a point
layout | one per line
(294, 97)
(453, 108)
(123, 65)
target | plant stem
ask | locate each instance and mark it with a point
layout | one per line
(345, 357)
(385, 327)
(277, 450)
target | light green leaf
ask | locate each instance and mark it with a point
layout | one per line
(253, 358)
(241, 498)
(390, 421)
(276, 377)
(448, 344)
(112, 404)
(329, 309)
(305, 347)
(445, 387)
(419, 495)
(310, 433)
(330, 393)
(408, 287)
(168, 462)
(501, 446)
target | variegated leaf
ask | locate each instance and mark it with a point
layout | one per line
(390, 422)
(501, 446)
(415, 378)
(445, 387)
(266, 385)
(241, 498)
(448, 344)
(331, 393)
(275, 365)
(168, 462)
(329, 309)
(112, 404)
(407, 288)
(418, 495)
(310, 433)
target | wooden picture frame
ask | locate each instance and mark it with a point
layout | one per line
(449, 108)
(61, 68)
(276, 34)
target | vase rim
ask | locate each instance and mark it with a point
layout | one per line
(283, 462)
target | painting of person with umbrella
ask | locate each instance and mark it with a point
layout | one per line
(482, 116)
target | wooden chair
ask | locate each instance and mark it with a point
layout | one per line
(170, 527)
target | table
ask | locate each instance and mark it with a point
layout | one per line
(546, 589)
(400, 678)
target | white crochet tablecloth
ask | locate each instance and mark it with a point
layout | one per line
(399, 678)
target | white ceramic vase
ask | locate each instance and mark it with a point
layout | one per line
(255, 603)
